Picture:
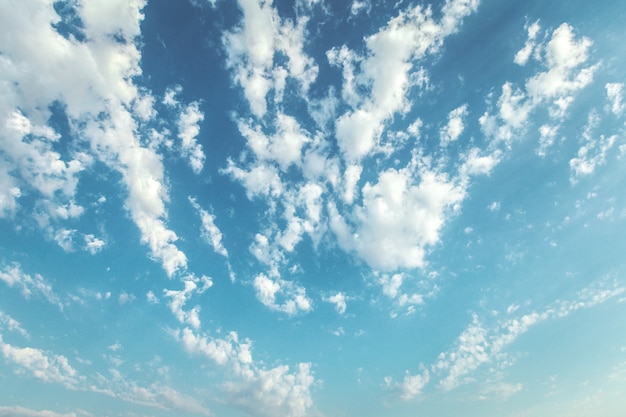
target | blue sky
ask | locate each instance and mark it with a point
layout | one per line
(312, 208)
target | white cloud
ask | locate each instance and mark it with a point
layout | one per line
(386, 72)
(522, 56)
(479, 344)
(180, 298)
(93, 244)
(152, 298)
(9, 323)
(210, 232)
(251, 48)
(359, 6)
(284, 147)
(29, 285)
(411, 386)
(17, 411)
(547, 137)
(115, 346)
(401, 216)
(258, 180)
(470, 353)
(93, 81)
(563, 57)
(155, 395)
(615, 95)
(281, 295)
(252, 387)
(339, 300)
(593, 153)
(455, 126)
(126, 298)
(500, 391)
(43, 366)
(188, 130)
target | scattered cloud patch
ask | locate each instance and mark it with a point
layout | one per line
(12, 275)
(615, 95)
(281, 295)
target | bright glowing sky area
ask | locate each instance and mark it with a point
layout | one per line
(312, 208)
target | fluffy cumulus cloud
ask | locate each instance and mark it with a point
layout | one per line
(387, 71)
(339, 301)
(281, 295)
(455, 126)
(401, 215)
(411, 386)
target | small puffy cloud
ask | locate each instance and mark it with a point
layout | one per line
(284, 147)
(359, 6)
(259, 180)
(522, 56)
(547, 137)
(494, 206)
(281, 295)
(17, 411)
(93, 244)
(455, 126)
(411, 386)
(615, 95)
(339, 300)
(115, 347)
(188, 130)
(125, 298)
(152, 298)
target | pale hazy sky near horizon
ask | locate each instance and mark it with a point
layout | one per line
(312, 208)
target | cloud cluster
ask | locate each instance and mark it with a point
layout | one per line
(12, 275)
(41, 365)
(311, 177)
(251, 386)
(563, 58)
(281, 295)
(481, 343)
(85, 75)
